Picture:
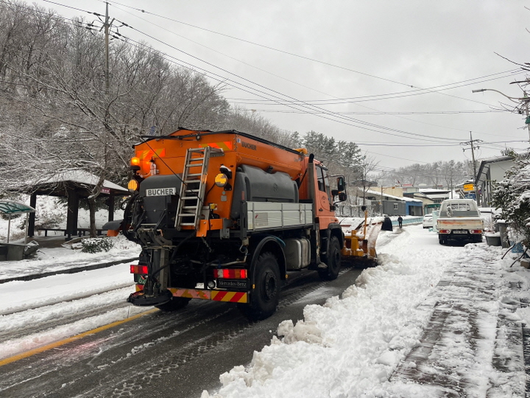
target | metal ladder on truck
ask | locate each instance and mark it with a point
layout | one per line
(192, 188)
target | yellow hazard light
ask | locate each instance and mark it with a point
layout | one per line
(133, 185)
(301, 151)
(221, 180)
(135, 161)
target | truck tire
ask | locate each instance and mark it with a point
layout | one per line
(266, 294)
(442, 240)
(332, 259)
(175, 304)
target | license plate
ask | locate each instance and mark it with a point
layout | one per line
(160, 191)
(232, 283)
(460, 231)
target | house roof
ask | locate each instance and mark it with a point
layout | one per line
(79, 181)
(484, 165)
(401, 198)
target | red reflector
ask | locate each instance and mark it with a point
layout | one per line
(139, 269)
(230, 273)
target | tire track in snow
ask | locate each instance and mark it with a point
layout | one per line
(469, 298)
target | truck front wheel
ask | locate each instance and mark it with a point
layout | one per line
(332, 259)
(266, 294)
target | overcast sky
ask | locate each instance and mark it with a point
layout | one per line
(395, 77)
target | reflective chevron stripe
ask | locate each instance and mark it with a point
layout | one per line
(215, 295)
(232, 297)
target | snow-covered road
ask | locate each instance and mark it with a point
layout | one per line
(427, 311)
(41, 311)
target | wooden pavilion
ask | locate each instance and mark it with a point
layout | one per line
(73, 185)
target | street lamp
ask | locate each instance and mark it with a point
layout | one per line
(523, 100)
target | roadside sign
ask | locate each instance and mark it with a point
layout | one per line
(469, 187)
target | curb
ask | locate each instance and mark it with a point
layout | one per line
(67, 271)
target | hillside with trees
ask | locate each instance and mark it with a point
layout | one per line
(446, 174)
(60, 112)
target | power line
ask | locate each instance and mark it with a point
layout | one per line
(435, 145)
(304, 106)
(386, 113)
(292, 101)
(262, 45)
(402, 94)
(418, 91)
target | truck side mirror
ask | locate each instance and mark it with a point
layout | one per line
(341, 184)
(342, 196)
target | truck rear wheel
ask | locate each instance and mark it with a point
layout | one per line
(175, 304)
(332, 259)
(266, 294)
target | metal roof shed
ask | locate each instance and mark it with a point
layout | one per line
(10, 207)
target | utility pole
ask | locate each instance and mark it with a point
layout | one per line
(106, 26)
(110, 32)
(472, 143)
(527, 120)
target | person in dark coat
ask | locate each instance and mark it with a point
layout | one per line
(400, 221)
(387, 224)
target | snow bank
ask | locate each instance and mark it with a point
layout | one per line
(350, 346)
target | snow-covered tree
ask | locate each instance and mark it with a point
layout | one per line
(512, 196)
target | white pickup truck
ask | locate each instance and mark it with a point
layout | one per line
(460, 221)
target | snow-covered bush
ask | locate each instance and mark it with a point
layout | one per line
(512, 196)
(96, 245)
(50, 212)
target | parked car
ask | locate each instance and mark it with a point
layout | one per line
(428, 221)
(459, 221)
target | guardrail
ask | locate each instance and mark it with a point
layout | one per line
(408, 221)
(80, 231)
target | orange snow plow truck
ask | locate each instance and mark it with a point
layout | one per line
(226, 216)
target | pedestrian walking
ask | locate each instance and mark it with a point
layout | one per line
(400, 221)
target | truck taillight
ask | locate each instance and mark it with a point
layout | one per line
(230, 273)
(444, 231)
(139, 269)
(476, 231)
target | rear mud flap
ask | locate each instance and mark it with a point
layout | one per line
(141, 300)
